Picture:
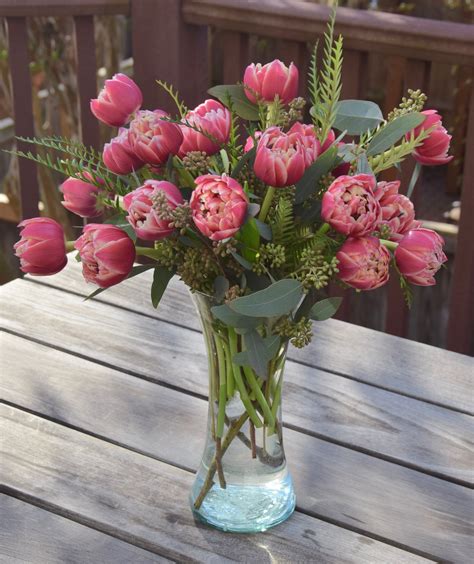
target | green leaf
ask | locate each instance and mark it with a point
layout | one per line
(135, 270)
(233, 319)
(363, 166)
(242, 106)
(264, 229)
(120, 221)
(243, 262)
(272, 345)
(248, 157)
(250, 238)
(256, 352)
(221, 285)
(325, 309)
(279, 298)
(393, 131)
(357, 116)
(161, 277)
(309, 182)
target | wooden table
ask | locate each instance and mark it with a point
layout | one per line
(103, 421)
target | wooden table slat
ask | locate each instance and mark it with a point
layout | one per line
(334, 483)
(31, 534)
(145, 500)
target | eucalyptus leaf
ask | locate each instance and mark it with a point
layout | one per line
(272, 344)
(189, 242)
(221, 285)
(264, 229)
(325, 309)
(363, 166)
(225, 314)
(309, 182)
(161, 277)
(393, 132)
(253, 209)
(242, 261)
(256, 353)
(242, 106)
(247, 157)
(279, 298)
(357, 116)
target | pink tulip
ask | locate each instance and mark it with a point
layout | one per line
(80, 197)
(143, 213)
(118, 155)
(331, 137)
(434, 149)
(219, 206)
(153, 139)
(118, 101)
(311, 145)
(350, 207)
(107, 254)
(363, 263)
(281, 157)
(213, 118)
(419, 256)
(249, 143)
(41, 248)
(398, 213)
(265, 83)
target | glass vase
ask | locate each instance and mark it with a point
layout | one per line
(243, 483)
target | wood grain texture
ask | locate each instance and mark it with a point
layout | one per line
(145, 501)
(387, 425)
(30, 534)
(63, 7)
(373, 357)
(344, 486)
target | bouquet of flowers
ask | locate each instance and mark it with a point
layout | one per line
(258, 200)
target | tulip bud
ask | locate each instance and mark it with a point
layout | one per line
(118, 155)
(281, 158)
(350, 207)
(117, 101)
(80, 197)
(434, 149)
(363, 263)
(107, 254)
(419, 256)
(153, 139)
(213, 118)
(41, 248)
(218, 205)
(145, 209)
(274, 79)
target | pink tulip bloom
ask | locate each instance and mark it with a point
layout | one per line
(331, 137)
(434, 149)
(249, 143)
(153, 139)
(118, 155)
(398, 212)
(80, 197)
(213, 118)
(107, 254)
(350, 207)
(143, 208)
(281, 158)
(117, 101)
(265, 83)
(311, 145)
(419, 256)
(41, 248)
(363, 263)
(218, 205)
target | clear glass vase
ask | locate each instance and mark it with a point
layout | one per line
(243, 483)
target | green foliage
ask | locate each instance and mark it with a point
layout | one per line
(309, 183)
(393, 131)
(161, 277)
(80, 161)
(324, 309)
(398, 153)
(174, 94)
(282, 221)
(243, 107)
(327, 87)
(280, 298)
(313, 81)
(356, 117)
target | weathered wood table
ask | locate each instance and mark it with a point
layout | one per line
(104, 414)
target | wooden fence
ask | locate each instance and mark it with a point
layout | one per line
(171, 41)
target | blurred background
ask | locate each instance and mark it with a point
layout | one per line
(60, 48)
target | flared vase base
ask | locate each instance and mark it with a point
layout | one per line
(248, 508)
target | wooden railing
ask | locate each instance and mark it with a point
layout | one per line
(170, 41)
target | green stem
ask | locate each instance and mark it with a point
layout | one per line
(268, 417)
(323, 229)
(266, 203)
(276, 404)
(147, 252)
(240, 383)
(391, 245)
(69, 246)
(229, 373)
(222, 386)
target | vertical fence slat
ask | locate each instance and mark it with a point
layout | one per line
(415, 75)
(354, 67)
(461, 315)
(23, 111)
(166, 48)
(236, 54)
(86, 78)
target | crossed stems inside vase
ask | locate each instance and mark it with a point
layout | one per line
(260, 397)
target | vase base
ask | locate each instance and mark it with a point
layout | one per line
(246, 508)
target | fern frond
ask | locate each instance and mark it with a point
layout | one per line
(313, 81)
(283, 222)
(174, 94)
